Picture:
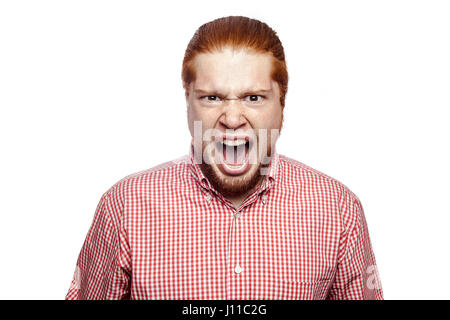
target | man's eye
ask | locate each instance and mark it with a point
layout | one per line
(254, 98)
(211, 98)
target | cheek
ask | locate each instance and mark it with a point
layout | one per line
(194, 113)
(276, 119)
(269, 119)
(207, 115)
(276, 116)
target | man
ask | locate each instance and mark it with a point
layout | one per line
(233, 219)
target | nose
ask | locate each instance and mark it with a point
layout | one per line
(233, 115)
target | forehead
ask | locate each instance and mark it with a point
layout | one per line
(233, 69)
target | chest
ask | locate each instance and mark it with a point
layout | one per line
(207, 250)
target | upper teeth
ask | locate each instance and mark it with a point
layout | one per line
(234, 143)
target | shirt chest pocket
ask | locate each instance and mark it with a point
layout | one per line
(301, 290)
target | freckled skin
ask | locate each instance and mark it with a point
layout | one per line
(232, 74)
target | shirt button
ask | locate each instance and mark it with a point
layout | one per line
(264, 198)
(238, 269)
(208, 198)
(237, 214)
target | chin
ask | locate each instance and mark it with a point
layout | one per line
(232, 164)
(232, 185)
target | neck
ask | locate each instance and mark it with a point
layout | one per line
(238, 199)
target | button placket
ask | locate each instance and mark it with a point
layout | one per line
(208, 198)
(235, 266)
(238, 269)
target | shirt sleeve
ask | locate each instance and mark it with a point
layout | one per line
(103, 266)
(356, 276)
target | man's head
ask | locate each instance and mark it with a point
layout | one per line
(235, 79)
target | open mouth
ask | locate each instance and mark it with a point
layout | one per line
(233, 154)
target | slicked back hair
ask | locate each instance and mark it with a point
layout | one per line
(237, 32)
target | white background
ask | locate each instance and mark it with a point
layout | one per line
(90, 92)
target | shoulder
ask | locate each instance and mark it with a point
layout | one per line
(166, 174)
(295, 172)
(298, 175)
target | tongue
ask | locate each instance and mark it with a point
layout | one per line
(234, 155)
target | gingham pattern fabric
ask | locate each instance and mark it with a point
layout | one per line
(165, 233)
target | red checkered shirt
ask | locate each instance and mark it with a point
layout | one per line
(165, 233)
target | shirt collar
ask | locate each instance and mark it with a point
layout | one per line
(196, 172)
(271, 171)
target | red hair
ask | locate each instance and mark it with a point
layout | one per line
(237, 32)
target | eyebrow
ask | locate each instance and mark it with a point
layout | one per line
(216, 92)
